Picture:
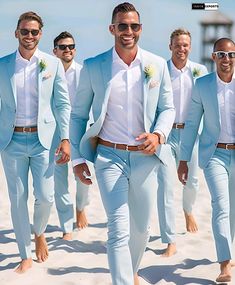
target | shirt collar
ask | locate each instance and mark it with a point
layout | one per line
(117, 59)
(72, 67)
(185, 68)
(220, 81)
(35, 56)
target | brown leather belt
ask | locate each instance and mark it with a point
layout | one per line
(118, 145)
(25, 129)
(178, 126)
(226, 145)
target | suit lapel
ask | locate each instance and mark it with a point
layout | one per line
(106, 67)
(213, 91)
(39, 74)
(145, 81)
(11, 71)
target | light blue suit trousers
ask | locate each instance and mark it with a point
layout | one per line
(220, 177)
(63, 199)
(25, 152)
(166, 182)
(127, 182)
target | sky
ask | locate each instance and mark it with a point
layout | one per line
(88, 21)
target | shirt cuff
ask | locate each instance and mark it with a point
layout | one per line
(78, 161)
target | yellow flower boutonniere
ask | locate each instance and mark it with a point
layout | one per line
(42, 65)
(149, 71)
(196, 72)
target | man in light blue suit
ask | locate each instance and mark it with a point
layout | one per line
(129, 91)
(33, 91)
(183, 73)
(214, 99)
(64, 49)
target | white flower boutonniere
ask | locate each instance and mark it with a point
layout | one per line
(196, 72)
(149, 71)
(42, 65)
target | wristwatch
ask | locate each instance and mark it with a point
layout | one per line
(161, 138)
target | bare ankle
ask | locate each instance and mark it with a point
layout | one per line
(24, 265)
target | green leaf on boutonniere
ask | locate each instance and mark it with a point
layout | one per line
(196, 72)
(42, 65)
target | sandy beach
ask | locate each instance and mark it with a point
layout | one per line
(83, 261)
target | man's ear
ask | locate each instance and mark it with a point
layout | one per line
(16, 34)
(111, 29)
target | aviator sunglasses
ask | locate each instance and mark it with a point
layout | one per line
(123, 27)
(25, 32)
(222, 54)
(63, 47)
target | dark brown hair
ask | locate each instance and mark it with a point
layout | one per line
(30, 16)
(63, 35)
(123, 8)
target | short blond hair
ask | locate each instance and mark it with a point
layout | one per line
(179, 32)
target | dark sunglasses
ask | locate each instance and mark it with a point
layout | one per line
(222, 54)
(25, 32)
(63, 47)
(123, 27)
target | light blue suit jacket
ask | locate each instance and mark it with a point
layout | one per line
(193, 66)
(94, 91)
(204, 103)
(53, 100)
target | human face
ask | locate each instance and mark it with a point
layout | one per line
(127, 39)
(28, 42)
(66, 55)
(225, 65)
(180, 48)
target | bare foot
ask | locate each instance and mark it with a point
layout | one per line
(225, 274)
(67, 236)
(191, 224)
(170, 250)
(41, 248)
(81, 219)
(24, 265)
(232, 263)
(136, 279)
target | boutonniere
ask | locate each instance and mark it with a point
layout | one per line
(42, 65)
(196, 72)
(149, 71)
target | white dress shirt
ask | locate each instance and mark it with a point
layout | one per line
(124, 120)
(26, 90)
(226, 99)
(71, 78)
(182, 84)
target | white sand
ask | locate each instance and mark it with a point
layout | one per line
(83, 261)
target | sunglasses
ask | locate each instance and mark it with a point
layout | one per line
(222, 54)
(63, 47)
(25, 32)
(123, 27)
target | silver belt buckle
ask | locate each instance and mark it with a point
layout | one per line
(127, 148)
(177, 126)
(227, 145)
(24, 130)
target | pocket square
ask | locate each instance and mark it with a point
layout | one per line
(46, 76)
(153, 84)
